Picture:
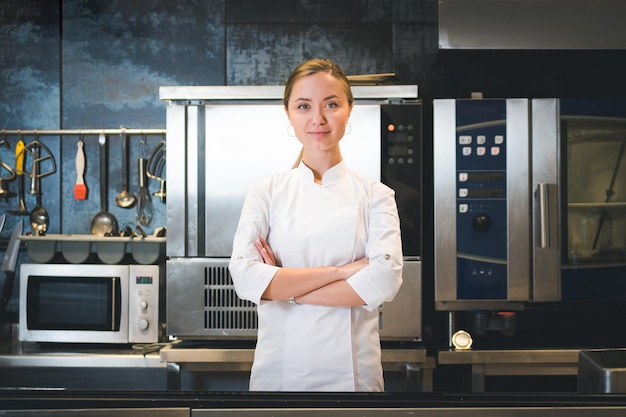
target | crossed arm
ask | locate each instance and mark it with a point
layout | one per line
(317, 285)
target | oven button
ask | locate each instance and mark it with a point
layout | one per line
(144, 305)
(143, 324)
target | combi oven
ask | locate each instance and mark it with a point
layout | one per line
(530, 202)
(221, 140)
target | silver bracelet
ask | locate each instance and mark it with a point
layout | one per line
(292, 300)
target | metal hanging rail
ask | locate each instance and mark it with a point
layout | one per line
(67, 132)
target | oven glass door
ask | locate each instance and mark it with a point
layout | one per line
(74, 303)
(594, 166)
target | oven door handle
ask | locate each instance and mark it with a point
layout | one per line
(543, 195)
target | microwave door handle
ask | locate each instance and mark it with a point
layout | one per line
(543, 195)
(113, 303)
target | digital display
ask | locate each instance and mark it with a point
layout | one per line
(398, 150)
(398, 137)
(143, 279)
(486, 176)
(486, 193)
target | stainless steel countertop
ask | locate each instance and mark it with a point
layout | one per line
(22, 354)
(509, 356)
(25, 354)
(208, 355)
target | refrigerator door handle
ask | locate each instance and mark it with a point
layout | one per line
(543, 195)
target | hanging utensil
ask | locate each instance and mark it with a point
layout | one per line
(46, 160)
(154, 170)
(19, 171)
(4, 193)
(39, 218)
(125, 198)
(80, 189)
(103, 223)
(144, 203)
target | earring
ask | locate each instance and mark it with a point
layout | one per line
(291, 131)
(348, 129)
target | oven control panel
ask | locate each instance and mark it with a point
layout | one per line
(401, 167)
(481, 199)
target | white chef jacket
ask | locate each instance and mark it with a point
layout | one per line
(347, 217)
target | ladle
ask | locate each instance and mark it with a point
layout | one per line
(39, 218)
(103, 223)
(125, 198)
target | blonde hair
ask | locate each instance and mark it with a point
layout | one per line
(314, 66)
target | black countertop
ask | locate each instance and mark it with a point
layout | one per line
(63, 399)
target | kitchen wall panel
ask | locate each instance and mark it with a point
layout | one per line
(289, 11)
(29, 64)
(266, 54)
(117, 54)
(115, 57)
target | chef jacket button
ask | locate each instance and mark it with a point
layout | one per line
(239, 258)
(387, 256)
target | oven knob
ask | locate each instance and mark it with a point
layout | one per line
(143, 324)
(143, 304)
(482, 222)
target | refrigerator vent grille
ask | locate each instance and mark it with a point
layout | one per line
(225, 312)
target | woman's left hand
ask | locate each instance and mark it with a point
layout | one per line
(266, 252)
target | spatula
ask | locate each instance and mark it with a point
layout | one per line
(80, 189)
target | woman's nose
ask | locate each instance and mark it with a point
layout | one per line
(318, 116)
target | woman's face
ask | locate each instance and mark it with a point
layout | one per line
(318, 110)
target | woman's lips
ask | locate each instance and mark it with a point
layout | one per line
(319, 133)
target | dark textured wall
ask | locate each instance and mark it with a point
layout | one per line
(85, 64)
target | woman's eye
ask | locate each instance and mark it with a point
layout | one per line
(303, 106)
(332, 105)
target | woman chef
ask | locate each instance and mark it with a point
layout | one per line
(318, 250)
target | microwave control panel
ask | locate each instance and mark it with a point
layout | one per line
(143, 303)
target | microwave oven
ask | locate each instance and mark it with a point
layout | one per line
(68, 303)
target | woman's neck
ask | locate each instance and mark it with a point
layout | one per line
(320, 163)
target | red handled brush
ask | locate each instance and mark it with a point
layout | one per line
(80, 189)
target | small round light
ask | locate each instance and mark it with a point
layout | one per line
(462, 340)
(391, 127)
